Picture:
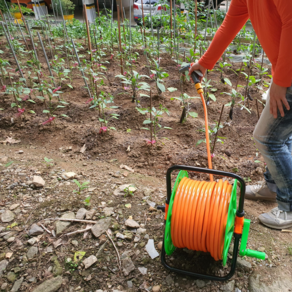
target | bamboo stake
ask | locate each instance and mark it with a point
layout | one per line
(33, 46)
(218, 127)
(24, 22)
(171, 27)
(46, 57)
(151, 129)
(97, 6)
(88, 32)
(120, 45)
(143, 22)
(8, 17)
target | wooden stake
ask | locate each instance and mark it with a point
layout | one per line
(97, 6)
(151, 130)
(120, 45)
(143, 22)
(196, 22)
(88, 32)
(171, 26)
(257, 109)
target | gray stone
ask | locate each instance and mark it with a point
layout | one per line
(101, 226)
(38, 181)
(4, 286)
(130, 284)
(17, 285)
(200, 283)
(3, 265)
(35, 230)
(141, 230)
(11, 277)
(89, 214)
(32, 280)
(128, 266)
(7, 216)
(120, 236)
(89, 261)
(108, 211)
(10, 239)
(14, 206)
(142, 270)
(169, 281)
(69, 175)
(74, 242)
(128, 235)
(62, 225)
(81, 213)
(229, 287)
(243, 264)
(32, 252)
(51, 285)
(132, 223)
(32, 241)
(156, 288)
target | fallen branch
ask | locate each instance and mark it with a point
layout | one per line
(78, 231)
(118, 255)
(46, 229)
(73, 220)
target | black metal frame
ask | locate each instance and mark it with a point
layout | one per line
(239, 213)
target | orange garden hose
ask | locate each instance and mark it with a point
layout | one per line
(199, 216)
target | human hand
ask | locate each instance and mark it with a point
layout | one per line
(196, 67)
(277, 99)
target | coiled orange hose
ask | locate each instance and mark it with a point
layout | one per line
(199, 216)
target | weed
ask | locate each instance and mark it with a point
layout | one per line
(80, 186)
(48, 162)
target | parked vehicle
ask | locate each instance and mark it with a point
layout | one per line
(28, 3)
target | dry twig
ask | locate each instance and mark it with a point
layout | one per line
(118, 255)
(45, 229)
(79, 231)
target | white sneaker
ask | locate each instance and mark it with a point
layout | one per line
(260, 192)
(277, 219)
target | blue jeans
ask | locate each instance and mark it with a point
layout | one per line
(273, 138)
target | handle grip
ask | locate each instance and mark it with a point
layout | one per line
(195, 77)
(255, 254)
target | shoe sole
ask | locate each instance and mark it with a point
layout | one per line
(261, 198)
(277, 227)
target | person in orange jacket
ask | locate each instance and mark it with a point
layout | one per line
(272, 22)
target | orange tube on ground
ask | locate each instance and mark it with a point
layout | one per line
(199, 216)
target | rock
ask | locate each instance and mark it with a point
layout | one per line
(62, 225)
(17, 285)
(3, 265)
(137, 238)
(7, 216)
(141, 230)
(256, 284)
(229, 287)
(132, 223)
(200, 283)
(51, 285)
(122, 190)
(69, 175)
(262, 249)
(35, 230)
(243, 264)
(169, 281)
(32, 252)
(20, 151)
(101, 226)
(142, 270)
(120, 236)
(10, 239)
(150, 248)
(89, 214)
(74, 242)
(38, 181)
(156, 288)
(259, 170)
(89, 261)
(32, 241)
(128, 266)
(11, 277)
(128, 235)
(130, 284)
(102, 239)
(108, 211)
(81, 213)
(4, 286)
(57, 269)
(14, 206)
(159, 245)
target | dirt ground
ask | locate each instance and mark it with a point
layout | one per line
(100, 164)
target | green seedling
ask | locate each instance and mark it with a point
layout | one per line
(128, 191)
(48, 162)
(8, 164)
(87, 201)
(289, 250)
(71, 266)
(80, 186)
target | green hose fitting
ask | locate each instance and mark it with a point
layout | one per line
(243, 251)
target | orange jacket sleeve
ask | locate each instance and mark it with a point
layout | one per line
(235, 19)
(283, 70)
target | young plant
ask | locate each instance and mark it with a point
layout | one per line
(133, 81)
(153, 121)
(129, 191)
(159, 75)
(48, 162)
(87, 202)
(80, 186)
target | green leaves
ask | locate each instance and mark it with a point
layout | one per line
(193, 114)
(227, 80)
(171, 89)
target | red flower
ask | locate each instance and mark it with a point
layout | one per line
(49, 120)
(152, 75)
(75, 64)
(102, 130)
(89, 100)
(212, 155)
(25, 98)
(20, 112)
(3, 88)
(112, 56)
(56, 89)
(150, 142)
